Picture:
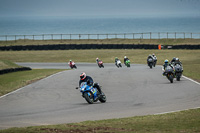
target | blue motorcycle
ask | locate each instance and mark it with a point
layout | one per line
(91, 94)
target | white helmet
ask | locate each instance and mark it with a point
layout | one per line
(124, 56)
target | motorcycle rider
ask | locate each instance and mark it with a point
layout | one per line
(173, 60)
(97, 60)
(154, 58)
(125, 59)
(150, 56)
(70, 63)
(177, 61)
(116, 59)
(166, 63)
(88, 79)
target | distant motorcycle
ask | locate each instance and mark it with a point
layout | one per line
(150, 62)
(73, 65)
(178, 71)
(118, 63)
(91, 94)
(128, 63)
(155, 61)
(169, 73)
(100, 64)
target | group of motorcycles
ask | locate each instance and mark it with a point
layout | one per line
(173, 71)
(127, 63)
(91, 94)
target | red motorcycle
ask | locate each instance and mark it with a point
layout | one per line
(100, 64)
(72, 65)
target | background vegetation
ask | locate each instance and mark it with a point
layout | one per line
(102, 41)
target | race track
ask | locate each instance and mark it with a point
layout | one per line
(133, 91)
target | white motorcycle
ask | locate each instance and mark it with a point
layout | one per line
(118, 63)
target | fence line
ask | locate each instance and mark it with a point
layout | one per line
(146, 35)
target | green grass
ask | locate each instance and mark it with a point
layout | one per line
(102, 41)
(189, 58)
(12, 81)
(183, 121)
(4, 64)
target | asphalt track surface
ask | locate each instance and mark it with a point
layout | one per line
(133, 91)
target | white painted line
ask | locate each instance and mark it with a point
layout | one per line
(191, 80)
(175, 111)
(25, 86)
(11, 92)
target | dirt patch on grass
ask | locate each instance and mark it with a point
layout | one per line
(85, 129)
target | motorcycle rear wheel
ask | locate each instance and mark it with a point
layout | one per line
(103, 98)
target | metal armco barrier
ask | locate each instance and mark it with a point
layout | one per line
(94, 46)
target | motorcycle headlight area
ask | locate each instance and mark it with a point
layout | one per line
(82, 88)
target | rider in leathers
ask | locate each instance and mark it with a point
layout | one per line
(116, 59)
(166, 63)
(177, 61)
(150, 56)
(88, 79)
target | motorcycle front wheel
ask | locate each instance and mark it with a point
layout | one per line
(171, 78)
(89, 97)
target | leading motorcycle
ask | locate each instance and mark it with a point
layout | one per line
(169, 72)
(91, 94)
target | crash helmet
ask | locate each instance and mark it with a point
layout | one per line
(82, 76)
(116, 58)
(70, 60)
(153, 54)
(177, 59)
(97, 58)
(125, 57)
(166, 61)
(174, 58)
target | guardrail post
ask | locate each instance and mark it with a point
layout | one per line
(167, 35)
(175, 35)
(150, 36)
(142, 35)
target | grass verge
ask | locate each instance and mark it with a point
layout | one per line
(12, 81)
(4, 64)
(183, 121)
(189, 58)
(102, 41)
